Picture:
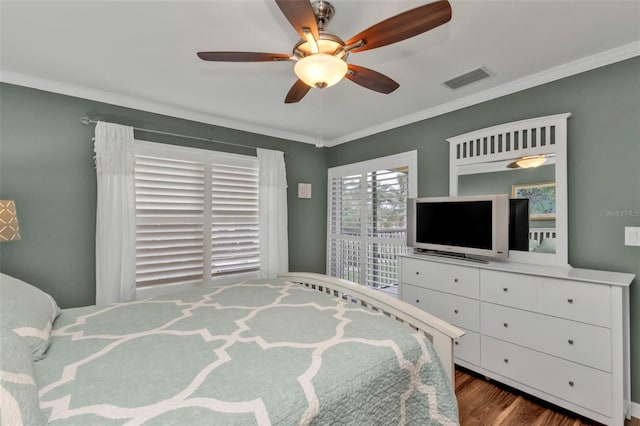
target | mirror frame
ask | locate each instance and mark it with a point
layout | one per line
(492, 148)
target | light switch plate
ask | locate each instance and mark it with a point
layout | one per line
(304, 190)
(632, 236)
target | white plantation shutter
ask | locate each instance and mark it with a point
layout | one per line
(387, 193)
(367, 218)
(196, 215)
(345, 230)
(169, 221)
(235, 238)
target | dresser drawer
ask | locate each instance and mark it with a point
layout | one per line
(460, 280)
(575, 300)
(457, 310)
(578, 301)
(580, 385)
(508, 289)
(574, 341)
(467, 347)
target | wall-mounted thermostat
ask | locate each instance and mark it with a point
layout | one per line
(304, 190)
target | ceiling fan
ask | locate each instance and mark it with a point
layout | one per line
(321, 57)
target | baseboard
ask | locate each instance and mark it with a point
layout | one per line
(635, 410)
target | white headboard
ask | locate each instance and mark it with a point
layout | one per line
(539, 234)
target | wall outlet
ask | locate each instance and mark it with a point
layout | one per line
(631, 236)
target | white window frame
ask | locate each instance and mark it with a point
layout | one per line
(207, 157)
(406, 159)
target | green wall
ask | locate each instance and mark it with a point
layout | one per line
(603, 163)
(500, 182)
(46, 166)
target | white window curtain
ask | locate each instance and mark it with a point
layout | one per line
(115, 214)
(274, 239)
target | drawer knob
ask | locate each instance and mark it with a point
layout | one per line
(506, 324)
(456, 343)
(570, 300)
(570, 341)
(506, 360)
(417, 273)
(455, 280)
(455, 311)
(571, 383)
(417, 300)
(505, 289)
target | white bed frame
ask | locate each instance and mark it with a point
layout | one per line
(440, 333)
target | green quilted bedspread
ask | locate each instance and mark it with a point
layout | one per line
(261, 352)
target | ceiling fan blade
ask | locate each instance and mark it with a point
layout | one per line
(403, 26)
(297, 92)
(242, 56)
(300, 15)
(371, 79)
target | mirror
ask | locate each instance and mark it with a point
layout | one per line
(482, 162)
(522, 183)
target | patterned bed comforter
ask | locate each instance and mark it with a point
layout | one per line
(261, 352)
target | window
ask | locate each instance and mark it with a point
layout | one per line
(196, 215)
(367, 224)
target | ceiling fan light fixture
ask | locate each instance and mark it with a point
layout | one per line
(320, 70)
(531, 161)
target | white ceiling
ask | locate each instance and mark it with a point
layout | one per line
(142, 54)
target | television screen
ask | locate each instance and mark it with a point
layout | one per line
(460, 223)
(459, 226)
(519, 224)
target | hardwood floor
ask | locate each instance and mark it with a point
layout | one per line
(483, 402)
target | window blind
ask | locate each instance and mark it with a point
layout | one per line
(387, 193)
(367, 219)
(235, 241)
(196, 215)
(345, 227)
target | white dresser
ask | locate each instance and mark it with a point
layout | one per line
(558, 333)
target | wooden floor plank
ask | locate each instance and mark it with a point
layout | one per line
(483, 402)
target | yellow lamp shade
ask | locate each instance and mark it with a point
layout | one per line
(9, 228)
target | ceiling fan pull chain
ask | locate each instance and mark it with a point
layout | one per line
(319, 135)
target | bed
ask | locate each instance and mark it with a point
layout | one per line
(542, 240)
(301, 349)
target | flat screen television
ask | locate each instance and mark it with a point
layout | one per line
(465, 225)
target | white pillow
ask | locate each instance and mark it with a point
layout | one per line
(548, 245)
(19, 402)
(533, 244)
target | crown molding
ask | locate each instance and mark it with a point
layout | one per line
(62, 88)
(571, 68)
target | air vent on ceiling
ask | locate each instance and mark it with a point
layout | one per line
(468, 78)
